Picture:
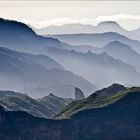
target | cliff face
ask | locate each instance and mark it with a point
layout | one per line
(117, 121)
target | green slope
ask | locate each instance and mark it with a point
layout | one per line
(98, 99)
(14, 101)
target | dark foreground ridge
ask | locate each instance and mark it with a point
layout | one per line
(117, 119)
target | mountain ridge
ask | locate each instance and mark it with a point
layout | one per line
(90, 65)
(123, 52)
(107, 122)
(33, 71)
(97, 40)
(45, 107)
(104, 26)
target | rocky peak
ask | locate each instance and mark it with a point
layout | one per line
(79, 94)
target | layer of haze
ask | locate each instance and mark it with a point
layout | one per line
(43, 13)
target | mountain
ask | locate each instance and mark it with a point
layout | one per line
(65, 29)
(95, 100)
(100, 69)
(18, 36)
(12, 101)
(45, 107)
(42, 60)
(112, 26)
(23, 72)
(105, 26)
(123, 52)
(112, 121)
(102, 27)
(26, 39)
(118, 120)
(97, 40)
(109, 26)
(56, 104)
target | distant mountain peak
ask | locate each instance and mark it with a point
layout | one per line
(114, 88)
(116, 85)
(108, 23)
(118, 44)
(104, 54)
(51, 95)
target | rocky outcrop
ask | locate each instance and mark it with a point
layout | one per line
(79, 94)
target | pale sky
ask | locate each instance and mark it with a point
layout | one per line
(43, 13)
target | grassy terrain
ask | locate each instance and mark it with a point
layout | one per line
(96, 100)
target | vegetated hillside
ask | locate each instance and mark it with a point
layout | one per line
(13, 101)
(98, 99)
(119, 119)
(46, 107)
(55, 103)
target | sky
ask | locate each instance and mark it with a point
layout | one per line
(45, 13)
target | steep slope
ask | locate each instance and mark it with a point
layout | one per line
(101, 70)
(18, 36)
(97, 39)
(26, 39)
(13, 101)
(42, 60)
(45, 107)
(98, 99)
(119, 120)
(123, 52)
(31, 71)
(56, 104)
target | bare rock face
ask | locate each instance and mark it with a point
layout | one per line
(79, 94)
